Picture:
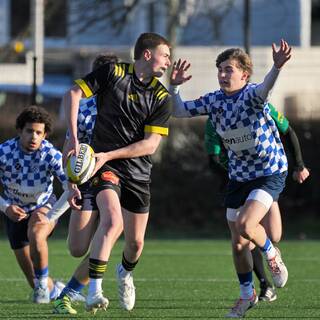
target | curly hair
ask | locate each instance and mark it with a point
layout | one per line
(237, 54)
(34, 114)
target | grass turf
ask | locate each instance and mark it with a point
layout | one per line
(175, 279)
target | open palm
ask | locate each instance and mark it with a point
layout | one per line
(281, 56)
(178, 73)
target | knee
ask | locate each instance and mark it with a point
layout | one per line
(76, 250)
(275, 238)
(245, 230)
(135, 245)
(36, 234)
(114, 225)
(237, 247)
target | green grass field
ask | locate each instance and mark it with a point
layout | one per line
(175, 279)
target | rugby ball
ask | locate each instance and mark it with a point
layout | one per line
(80, 168)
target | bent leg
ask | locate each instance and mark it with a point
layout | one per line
(82, 226)
(272, 223)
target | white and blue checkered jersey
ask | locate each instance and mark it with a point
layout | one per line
(86, 120)
(247, 130)
(27, 178)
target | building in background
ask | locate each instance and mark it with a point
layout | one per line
(76, 30)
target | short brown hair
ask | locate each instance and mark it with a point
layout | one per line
(102, 59)
(34, 114)
(148, 40)
(243, 59)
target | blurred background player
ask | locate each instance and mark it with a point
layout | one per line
(218, 162)
(82, 223)
(28, 165)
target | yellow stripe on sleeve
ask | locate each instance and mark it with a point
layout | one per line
(84, 87)
(154, 129)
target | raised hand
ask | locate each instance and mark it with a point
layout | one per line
(178, 73)
(281, 56)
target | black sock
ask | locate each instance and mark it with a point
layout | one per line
(258, 267)
(97, 268)
(129, 266)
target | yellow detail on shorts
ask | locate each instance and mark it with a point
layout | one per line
(84, 87)
(154, 129)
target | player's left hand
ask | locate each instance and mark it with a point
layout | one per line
(281, 56)
(178, 74)
(301, 176)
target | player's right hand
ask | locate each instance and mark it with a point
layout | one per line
(71, 147)
(15, 213)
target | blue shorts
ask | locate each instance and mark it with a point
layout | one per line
(17, 232)
(134, 196)
(238, 192)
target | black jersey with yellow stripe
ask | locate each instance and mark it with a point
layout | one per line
(127, 109)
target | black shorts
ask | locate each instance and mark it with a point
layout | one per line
(134, 196)
(17, 232)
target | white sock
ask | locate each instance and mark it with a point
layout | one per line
(41, 282)
(95, 285)
(124, 272)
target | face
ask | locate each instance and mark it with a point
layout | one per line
(159, 60)
(231, 78)
(31, 136)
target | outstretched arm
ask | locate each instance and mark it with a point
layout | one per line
(280, 57)
(146, 146)
(179, 76)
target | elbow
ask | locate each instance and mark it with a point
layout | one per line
(152, 149)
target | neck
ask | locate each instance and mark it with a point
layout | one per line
(141, 72)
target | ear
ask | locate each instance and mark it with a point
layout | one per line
(147, 54)
(245, 76)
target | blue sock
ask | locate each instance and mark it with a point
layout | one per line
(267, 245)
(268, 249)
(245, 278)
(39, 273)
(72, 285)
(246, 285)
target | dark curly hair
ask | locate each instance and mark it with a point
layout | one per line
(34, 114)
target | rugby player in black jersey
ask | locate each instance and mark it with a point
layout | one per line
(133, 113)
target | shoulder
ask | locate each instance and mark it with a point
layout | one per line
(159, 90)
(7, 147)
(120, 70)
(50, 152)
